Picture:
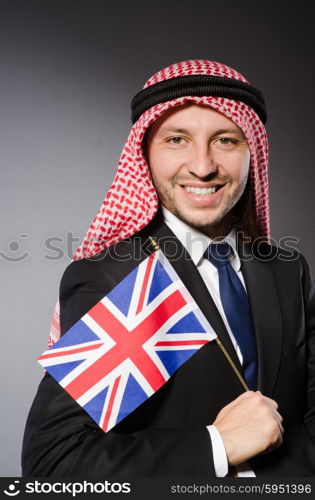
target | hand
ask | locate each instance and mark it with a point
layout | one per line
(249, 425)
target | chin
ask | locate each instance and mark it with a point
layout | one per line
(200, 220)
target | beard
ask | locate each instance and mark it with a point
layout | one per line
(217, 225)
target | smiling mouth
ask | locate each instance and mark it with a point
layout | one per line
(203, 191)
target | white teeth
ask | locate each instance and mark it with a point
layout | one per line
(202, 191)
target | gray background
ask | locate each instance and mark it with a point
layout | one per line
(69, 69)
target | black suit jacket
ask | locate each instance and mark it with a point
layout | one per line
(167, 435)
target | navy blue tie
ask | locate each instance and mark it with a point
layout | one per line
(236, 308)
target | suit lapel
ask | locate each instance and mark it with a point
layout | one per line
(267, 319)
(263, 298)
(189, 274)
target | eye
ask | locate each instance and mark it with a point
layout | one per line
(175, 140)
(226, 141)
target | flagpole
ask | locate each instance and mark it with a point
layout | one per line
(231, 362)
(154, 243)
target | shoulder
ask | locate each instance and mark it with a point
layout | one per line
(111, 264)
(86, 281)
(287, 263)
(116, 260)
(82, 271)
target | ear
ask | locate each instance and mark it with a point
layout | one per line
(145, 145)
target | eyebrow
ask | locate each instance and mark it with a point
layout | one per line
(176, 130)
(232, 130)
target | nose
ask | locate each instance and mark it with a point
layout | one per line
(202, 163)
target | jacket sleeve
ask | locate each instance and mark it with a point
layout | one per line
(296, 456)
(61, 439)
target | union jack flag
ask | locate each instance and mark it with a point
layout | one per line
(130, 343)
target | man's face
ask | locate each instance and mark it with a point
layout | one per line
(199, 162)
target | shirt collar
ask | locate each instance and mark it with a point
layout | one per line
(195, 241)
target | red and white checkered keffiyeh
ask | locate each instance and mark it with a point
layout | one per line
(132, 202)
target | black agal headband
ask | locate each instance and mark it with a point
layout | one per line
(198, 85)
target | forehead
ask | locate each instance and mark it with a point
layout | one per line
(192, 118)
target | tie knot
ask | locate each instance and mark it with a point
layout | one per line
(218, 253)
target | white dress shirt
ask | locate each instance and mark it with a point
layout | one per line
(196, 243)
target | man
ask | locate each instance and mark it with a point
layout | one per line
(192, 174)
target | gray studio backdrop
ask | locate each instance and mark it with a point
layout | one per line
(69, 69)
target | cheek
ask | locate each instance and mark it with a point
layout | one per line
(244, 170)
(239, 168)
(246, 165)
(162, 166)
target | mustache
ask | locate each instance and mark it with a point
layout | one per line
(213, 177)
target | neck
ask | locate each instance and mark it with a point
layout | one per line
(219, 231)
(215, 232)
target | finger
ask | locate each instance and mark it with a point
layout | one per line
(236, 401)
(271, 402)
(280, 427)
(277, 416)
